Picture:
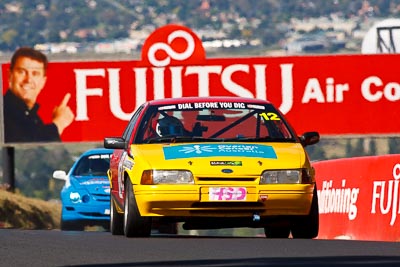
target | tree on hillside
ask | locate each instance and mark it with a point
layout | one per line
(349, 149)
(35, 167)
(316, 152)
(394, 145)
(359, 150)
(372, 148)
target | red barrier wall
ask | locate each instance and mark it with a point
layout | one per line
(359, 198)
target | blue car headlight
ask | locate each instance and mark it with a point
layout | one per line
(85, 198)
(76, 197)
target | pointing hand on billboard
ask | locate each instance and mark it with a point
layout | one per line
(63, 115)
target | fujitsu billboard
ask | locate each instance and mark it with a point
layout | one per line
(331, 94)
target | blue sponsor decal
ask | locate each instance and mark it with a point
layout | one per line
(218, 150)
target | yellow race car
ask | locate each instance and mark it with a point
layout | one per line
(209, 163)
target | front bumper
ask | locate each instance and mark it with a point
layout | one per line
(195, 200)
(85, 212)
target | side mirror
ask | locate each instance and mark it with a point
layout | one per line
(114, 142)
(61, 175)
(309, 138)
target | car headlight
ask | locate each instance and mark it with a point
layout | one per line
(281, 177)
(167, 177)
(76, 197)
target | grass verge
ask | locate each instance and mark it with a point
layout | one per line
(17, 211)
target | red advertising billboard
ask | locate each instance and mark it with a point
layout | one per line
(359, 198)
(331, 94)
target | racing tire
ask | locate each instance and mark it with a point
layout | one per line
(116, 220)
(71, 226)
(307, 227)
(277, 231)
(135, 225)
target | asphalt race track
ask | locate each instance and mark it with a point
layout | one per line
(59, 248)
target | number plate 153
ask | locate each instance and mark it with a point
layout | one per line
(227, 193)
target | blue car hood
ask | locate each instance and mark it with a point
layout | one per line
(93, 184)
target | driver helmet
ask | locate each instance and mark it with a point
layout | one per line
(169, 126)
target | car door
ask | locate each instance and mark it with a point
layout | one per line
(118, 157)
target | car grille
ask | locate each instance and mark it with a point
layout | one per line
(226, 179)
(228, 208)
(101, 197)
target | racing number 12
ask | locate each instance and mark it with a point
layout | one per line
(270, 116)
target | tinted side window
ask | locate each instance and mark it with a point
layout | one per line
(128, 130)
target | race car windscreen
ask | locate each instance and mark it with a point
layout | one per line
(214, 122)
(93, 165)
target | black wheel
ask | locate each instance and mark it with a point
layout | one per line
(135, 225)
(307, 227)
(277, 231)
(116, 220)
(72, 226)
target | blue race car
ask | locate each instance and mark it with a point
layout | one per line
(85, 196)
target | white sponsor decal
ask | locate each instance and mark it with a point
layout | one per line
(338, 200)
(94, 182)
(385, 195)
(178, 76)
(167, 48)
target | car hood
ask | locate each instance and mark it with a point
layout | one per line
(93, 184)
(206, 158)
